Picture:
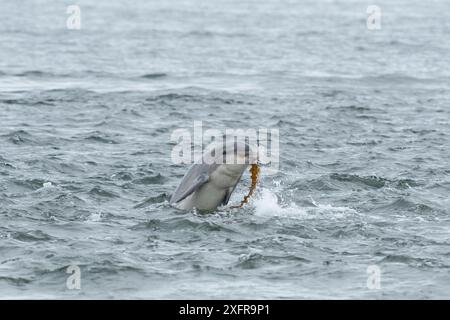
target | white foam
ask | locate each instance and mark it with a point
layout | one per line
(95, 216)
(267, 204)
(47, 185)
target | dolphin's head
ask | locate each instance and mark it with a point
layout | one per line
(230, 161)
(238, 156)
(230, 153)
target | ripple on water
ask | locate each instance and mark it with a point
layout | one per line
(100, 137)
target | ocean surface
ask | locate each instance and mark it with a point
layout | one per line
(86, 118)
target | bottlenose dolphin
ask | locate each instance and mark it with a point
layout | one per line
(210, 181)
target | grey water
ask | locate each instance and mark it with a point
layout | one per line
(86, 117)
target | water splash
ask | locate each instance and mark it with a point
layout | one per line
(269, 205)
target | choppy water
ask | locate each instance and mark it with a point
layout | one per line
(85, 170)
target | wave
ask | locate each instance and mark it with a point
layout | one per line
(17, 281)
(375, 181)
(405, 205)
(256, 260)
(207, 98)
(154, 75)
(98, 191)
(398, 78)
(31, 236)
(187, 222)
(152, 200)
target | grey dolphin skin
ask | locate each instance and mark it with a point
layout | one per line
(209, 184)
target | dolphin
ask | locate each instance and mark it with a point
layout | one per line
(211, 180)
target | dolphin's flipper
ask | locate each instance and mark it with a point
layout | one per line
(194, 179)
(197, 183)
